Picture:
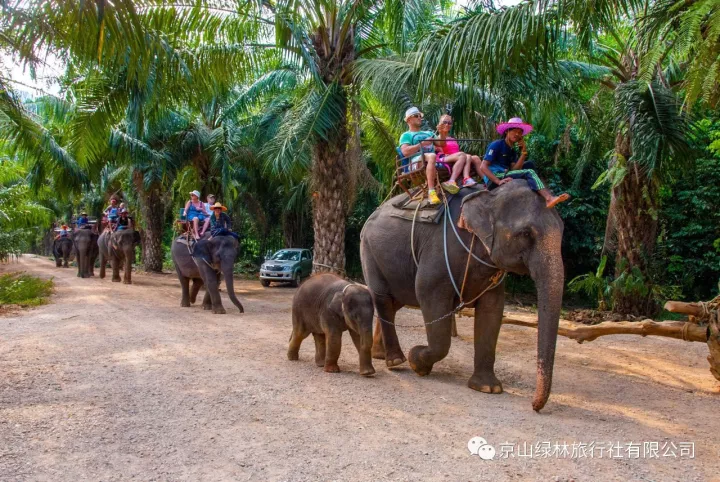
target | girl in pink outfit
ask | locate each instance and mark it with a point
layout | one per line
(449, 153)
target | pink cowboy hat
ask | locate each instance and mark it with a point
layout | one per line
(515, 123)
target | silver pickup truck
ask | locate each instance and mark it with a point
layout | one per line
(289, 265)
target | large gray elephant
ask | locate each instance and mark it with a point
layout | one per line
(62, 251)
(220, 253)
(86, 251)
(513, 231)
(118, 247)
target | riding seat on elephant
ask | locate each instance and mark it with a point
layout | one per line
(206, 263)
(459, 261)
(118, 247)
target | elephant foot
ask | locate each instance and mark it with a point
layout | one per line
(367, 371)
(394, 358)
(127, 282)
(219, 310)
(417, 364)
(185, 304)
(207, 307)
(485, 382)
(116, 280)
(320, 361)
(332, 368)
(293, 355)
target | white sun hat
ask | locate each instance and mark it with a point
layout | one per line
(411, 112)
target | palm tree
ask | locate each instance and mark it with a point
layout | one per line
(532, 40)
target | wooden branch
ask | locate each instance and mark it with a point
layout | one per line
(694, 309)
(672, 329)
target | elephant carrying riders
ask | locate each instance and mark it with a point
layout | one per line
(195, 212)
(501, 163)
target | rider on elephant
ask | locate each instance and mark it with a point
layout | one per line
(125, 221)
(501, 163)
(112, 213)
(64, 232)
(82, 221)
(195, 212)
(220, 222)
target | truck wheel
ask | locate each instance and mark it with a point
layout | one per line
(296, 279)
(265, 283)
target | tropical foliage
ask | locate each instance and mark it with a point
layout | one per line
(289, 111)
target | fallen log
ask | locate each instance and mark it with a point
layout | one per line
(680, 330)
(694, 309)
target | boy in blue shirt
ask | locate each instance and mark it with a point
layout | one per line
(501, 163)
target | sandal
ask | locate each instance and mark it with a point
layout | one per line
(557, 200)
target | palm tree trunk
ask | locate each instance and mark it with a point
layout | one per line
(152, 207)
(633, 209)
(329, 182)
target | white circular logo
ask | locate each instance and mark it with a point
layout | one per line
(475, 443)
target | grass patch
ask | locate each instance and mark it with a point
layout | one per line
(24, 290)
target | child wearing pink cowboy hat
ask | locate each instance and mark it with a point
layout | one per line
(501, 163)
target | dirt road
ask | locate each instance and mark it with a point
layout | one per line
(115, 382)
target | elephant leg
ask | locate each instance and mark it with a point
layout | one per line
(366, 367)
(196, 285)
(103, 263)
(207, 302)
(488, 319)
(386, 309)
(333, 344)
(115, 263)
(319, 349)
(211, 286)
(127, 271)
(185, 286)
(296, 339)
(422, 358)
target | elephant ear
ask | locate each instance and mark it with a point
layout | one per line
(477, 217)
(336, 304)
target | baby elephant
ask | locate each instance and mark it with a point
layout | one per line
(326, 305)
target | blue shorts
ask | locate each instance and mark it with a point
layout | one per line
(198, 216)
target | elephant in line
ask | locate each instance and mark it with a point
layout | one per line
(325, 306)
(119, 248)
(514, 232)
(62, 251)
(219, 253)
(86, 251)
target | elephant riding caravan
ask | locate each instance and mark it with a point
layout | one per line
(439, 250)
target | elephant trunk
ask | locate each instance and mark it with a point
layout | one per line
(546, 269)
(227, 269)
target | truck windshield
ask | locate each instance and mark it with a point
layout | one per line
(284, 255)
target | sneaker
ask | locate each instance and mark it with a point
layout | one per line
(451, 187)
(469, 181)
(433, 197)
